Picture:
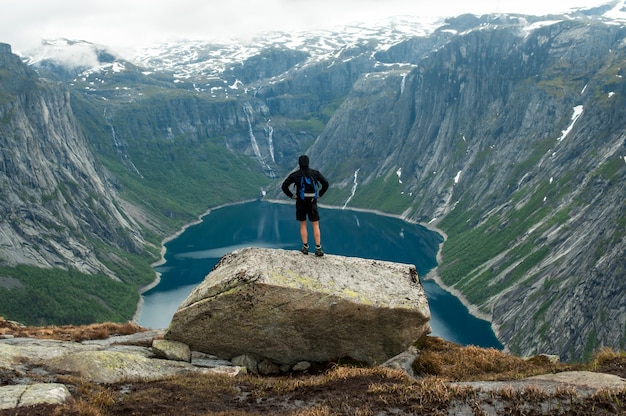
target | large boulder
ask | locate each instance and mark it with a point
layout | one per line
(288, 307)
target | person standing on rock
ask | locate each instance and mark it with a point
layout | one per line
(308, 190)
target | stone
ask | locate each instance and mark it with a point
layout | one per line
(287, 307)
(403, 361)
(585, 383)
(33, 394)
(301, 366)
(115, 359)
(200, 359)
(583, 380)
(230, 371)
(113, 367)
(142, 338)
(248, 361)
(490, 396)
(267, 368)
(14, 350)
(171, 350)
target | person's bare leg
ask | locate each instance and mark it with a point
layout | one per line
(303, 233)
(318, 238)
(316, 233)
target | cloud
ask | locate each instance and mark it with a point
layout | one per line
(127, 23)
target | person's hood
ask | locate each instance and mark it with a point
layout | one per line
(303, 161)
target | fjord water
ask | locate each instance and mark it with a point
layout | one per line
(192, 255)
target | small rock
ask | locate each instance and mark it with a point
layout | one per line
(201, 359)
(250, 362)
(33, 394)
(171, 350)
(301, 366)
(266, 367)
(403, 361)
(113, 367)
(228, 370)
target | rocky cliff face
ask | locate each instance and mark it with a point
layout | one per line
(513, 140)
(56, 202)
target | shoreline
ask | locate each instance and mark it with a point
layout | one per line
(157, 278)
(433, 274)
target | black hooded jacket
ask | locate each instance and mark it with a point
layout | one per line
(295, 178)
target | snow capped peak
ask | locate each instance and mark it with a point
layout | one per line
(208, 65)
(190, 57)
(71, 54)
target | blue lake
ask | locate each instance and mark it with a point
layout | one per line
(192, 255)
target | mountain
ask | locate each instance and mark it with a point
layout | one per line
(506, 132)
(64, 229)
(512, 141)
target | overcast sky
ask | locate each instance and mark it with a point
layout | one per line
(120, 23)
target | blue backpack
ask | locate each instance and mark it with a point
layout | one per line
(307, 189)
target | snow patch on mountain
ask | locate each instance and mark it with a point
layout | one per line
(617, 15)
(188, 59)
(578, 110)
(201, 64)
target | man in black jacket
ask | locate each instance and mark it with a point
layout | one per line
(306, 205)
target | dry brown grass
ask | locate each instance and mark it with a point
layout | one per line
(457, 363)
(69, 332)
(609, 359)
(334, 390)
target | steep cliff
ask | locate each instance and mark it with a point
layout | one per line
(512, 139)
(50, 177)
(58, 207)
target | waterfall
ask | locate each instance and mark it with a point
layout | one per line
(270, 139)
(120, 147)
(247, 110)
(402, 84)
(354, 185)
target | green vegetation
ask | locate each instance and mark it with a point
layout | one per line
(132, 269)
(178, 182)
(384, 194)
(56, 296)
(312, 125)
(611, 170)
(175, 178)
(315, 122)
(471, 245)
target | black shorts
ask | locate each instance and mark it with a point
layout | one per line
(306, 208)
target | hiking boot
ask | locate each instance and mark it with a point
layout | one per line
(305, 249)
(318, 251)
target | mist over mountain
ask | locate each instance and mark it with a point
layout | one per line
(507, 132)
